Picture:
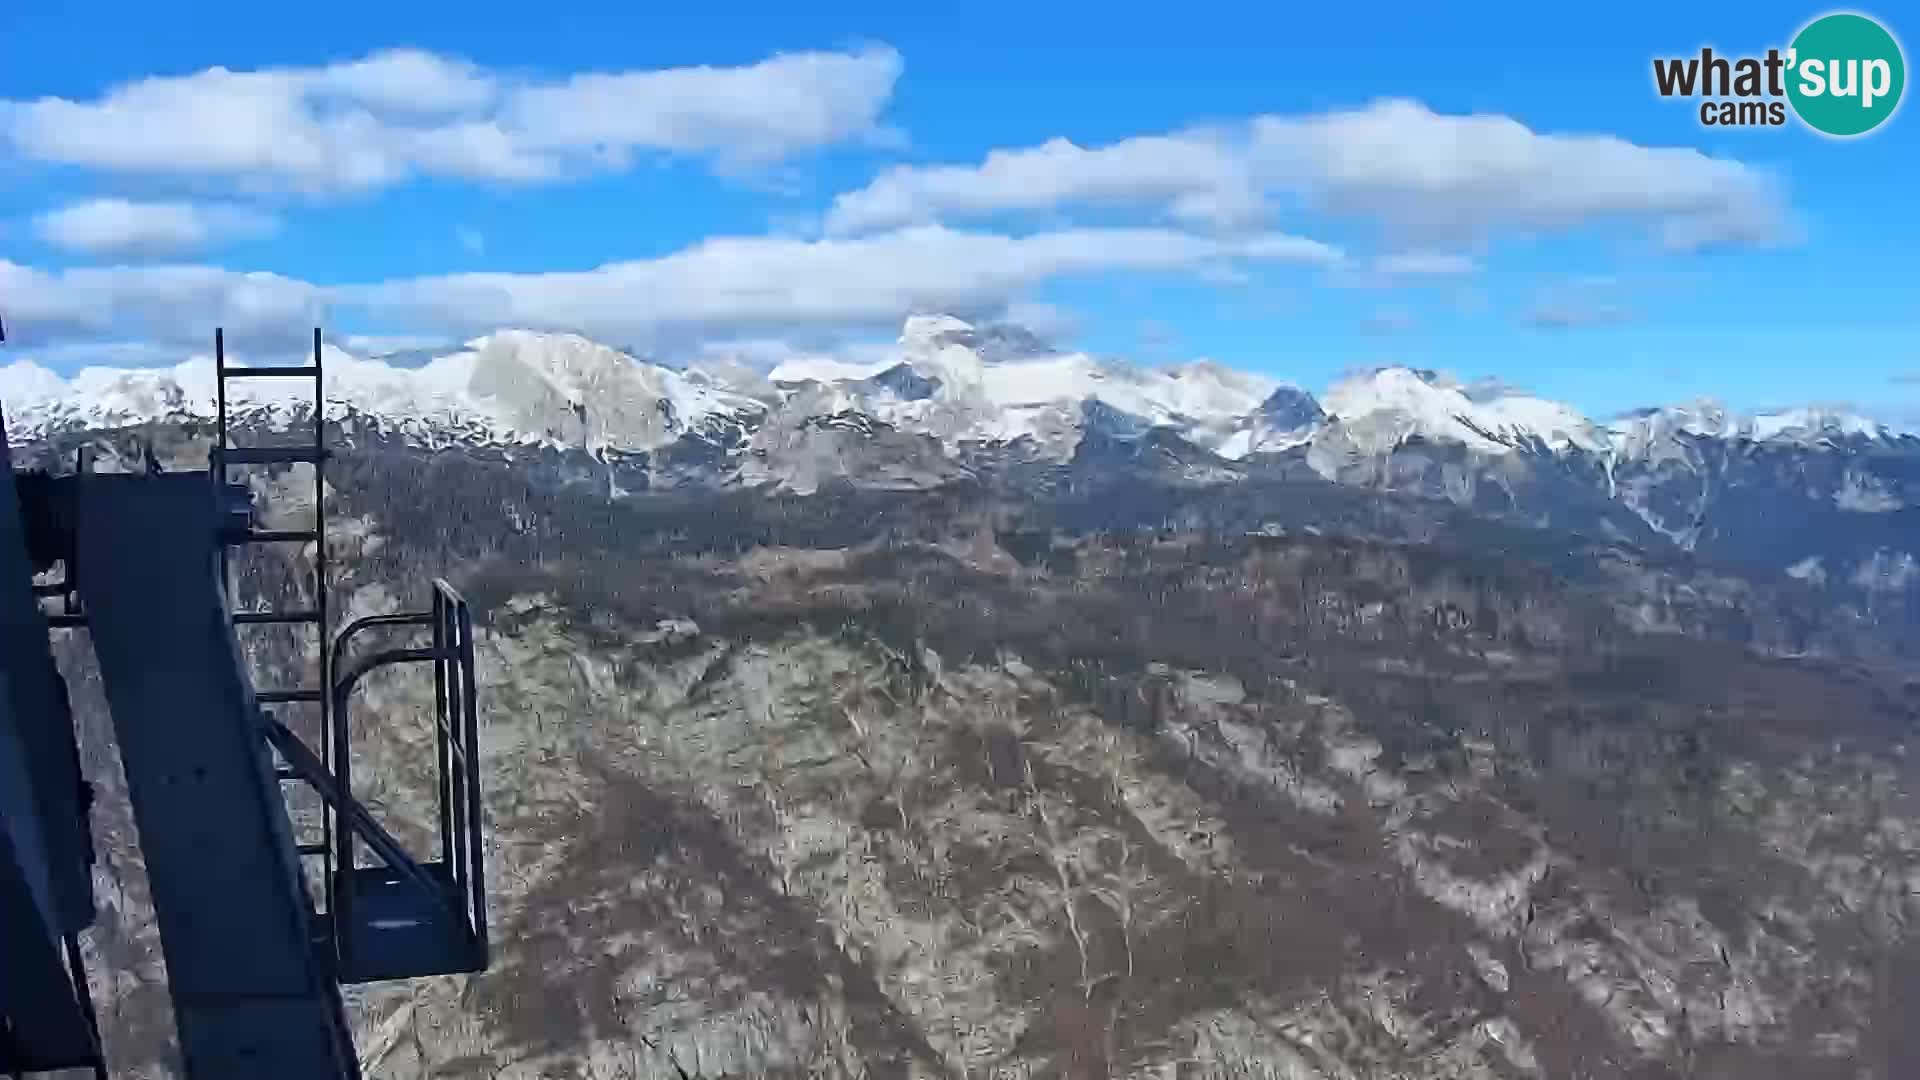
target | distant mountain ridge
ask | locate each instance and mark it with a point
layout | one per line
(946, 378)
(1821, 493)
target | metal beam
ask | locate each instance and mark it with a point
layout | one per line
(43, 1022)
(45, 881)
(252, 998)
(43, 720)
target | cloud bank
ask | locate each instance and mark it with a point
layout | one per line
(404, 113)
(1210, 203)
(118, 227)
(719, 287)
(1422, 175)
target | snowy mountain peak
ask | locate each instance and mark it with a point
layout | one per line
(822, 369)
(1814, 421)
(1385, 407)
(931, 332)
(948, 382)
(1204, 388)
(904, 382)
(511, 386)
(1641, 432)
(992, 342)
(1291, 408)
(26, 380)
(570, 390)
(37, 400)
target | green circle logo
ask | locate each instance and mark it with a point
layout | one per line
(1845, 74)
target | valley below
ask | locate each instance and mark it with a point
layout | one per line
(1282, 779)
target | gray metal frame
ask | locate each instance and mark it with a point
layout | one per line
(460, 872)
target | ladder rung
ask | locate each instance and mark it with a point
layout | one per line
(301, 616)
(276, 697)
(313, 849)
(272, 371)
(284, 773)
(269, 536)
(270, 455)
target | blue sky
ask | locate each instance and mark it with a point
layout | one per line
(1287, 192)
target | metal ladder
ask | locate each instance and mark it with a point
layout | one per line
(315, 453)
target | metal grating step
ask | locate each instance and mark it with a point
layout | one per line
(271, 371)
(278, 697)
(250, 618)
(395, 931)
(270, 455)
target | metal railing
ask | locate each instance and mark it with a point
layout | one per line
(460, 877)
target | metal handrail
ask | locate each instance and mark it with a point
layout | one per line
(456, 739)
(369, 622)
(458, 618)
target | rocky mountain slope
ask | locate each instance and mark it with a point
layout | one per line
(898, 721)
(936, 784)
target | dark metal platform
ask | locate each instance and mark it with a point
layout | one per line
(254, 963)
(428, 918)
(399, 932)
(235, 921)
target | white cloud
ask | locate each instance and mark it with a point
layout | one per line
(112, 354)
(1198, 176)
(1425, 176)
(408, 80)
(1404, 268)
(728, 287)
(748, 115)
(1051, 322)
(388, 344)
(1454, 176)
(177, 305)
(737, 284)
(147, 229)
(376, 121)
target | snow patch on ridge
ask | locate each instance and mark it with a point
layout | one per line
(944, 378)
(513, 386)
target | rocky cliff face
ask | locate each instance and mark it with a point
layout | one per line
(939, 784)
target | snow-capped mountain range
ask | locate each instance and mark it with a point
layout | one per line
(511, 387)
(1824, 496)
(946, 379)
